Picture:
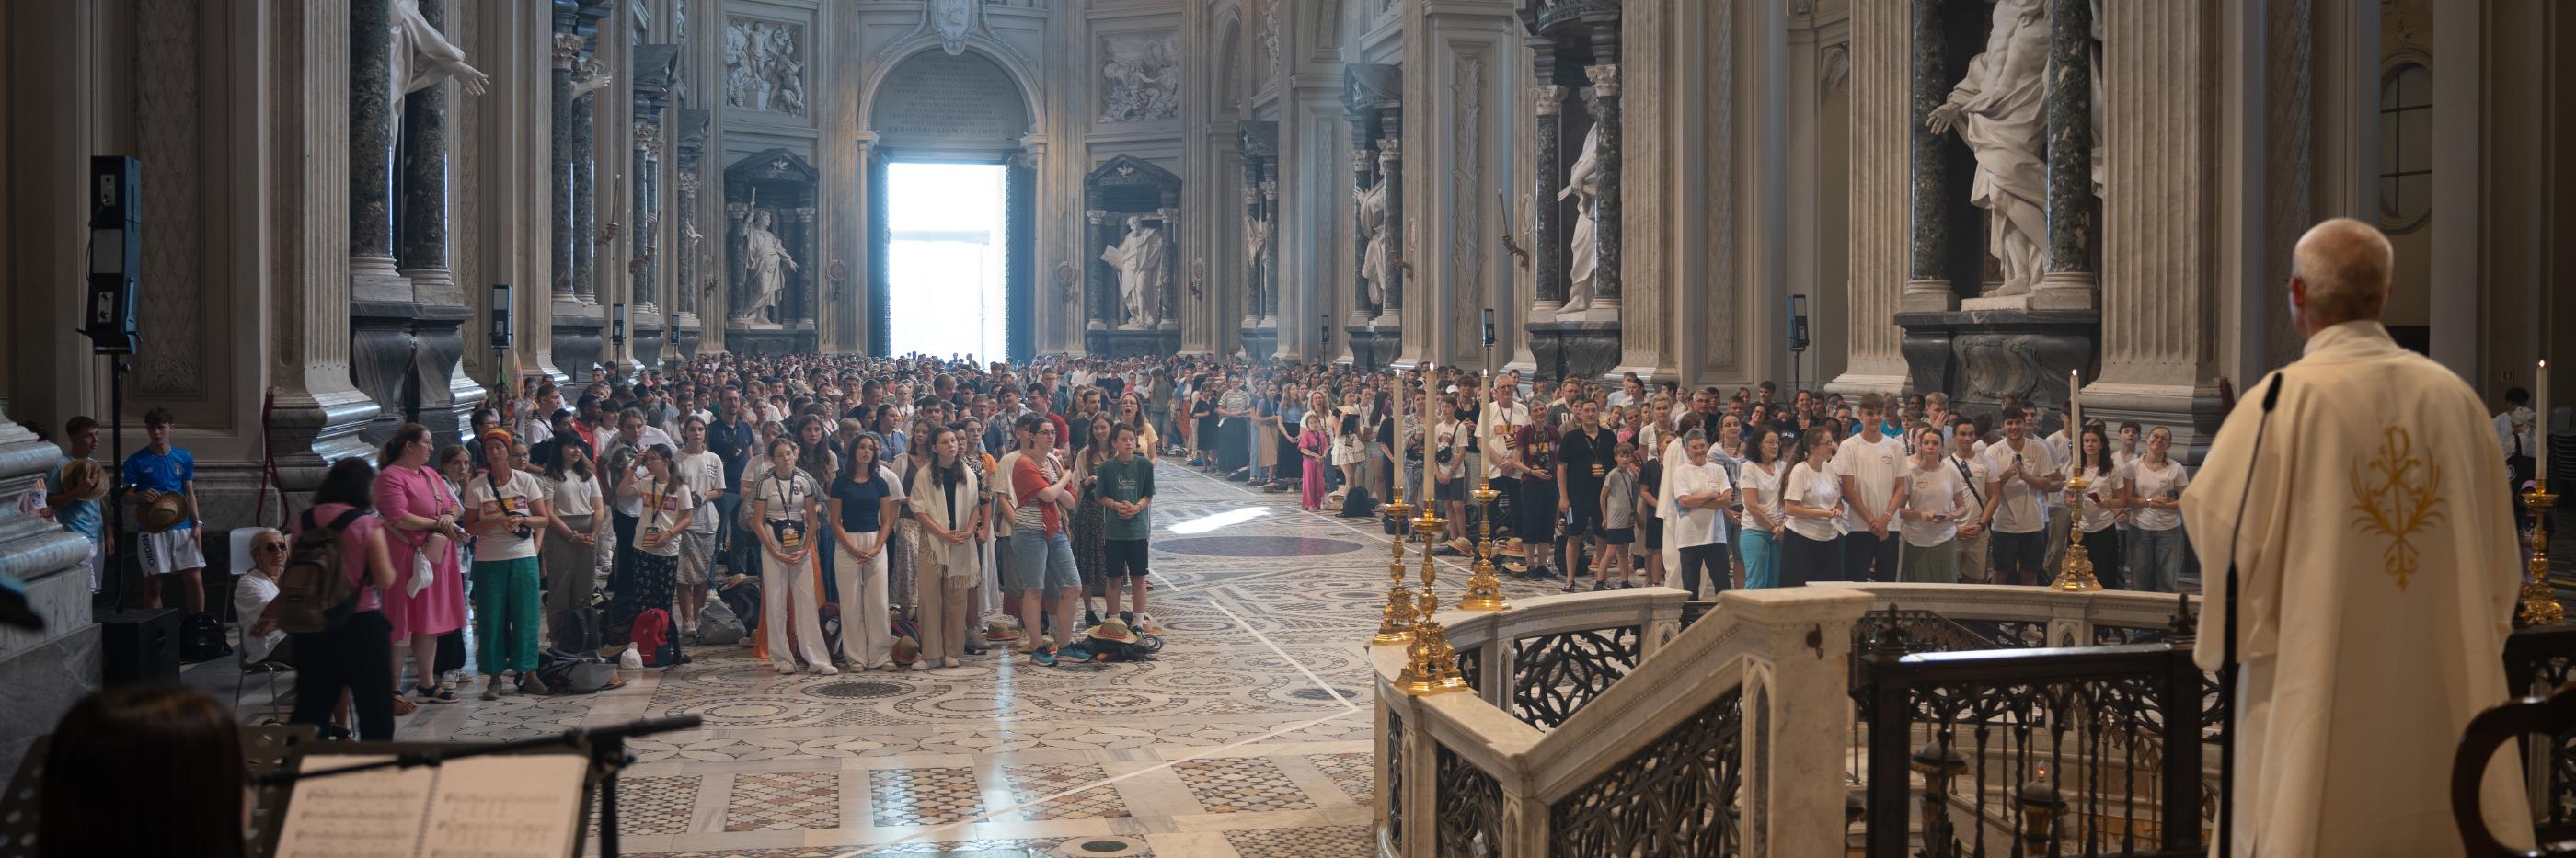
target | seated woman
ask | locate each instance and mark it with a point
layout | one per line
(169, 748)
(251, 596)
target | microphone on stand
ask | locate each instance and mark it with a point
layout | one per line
(2227, 649)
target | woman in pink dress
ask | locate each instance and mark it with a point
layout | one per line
(422, 513)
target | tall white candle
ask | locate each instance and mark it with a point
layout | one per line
(2075, 405)
(2540, 426)
(1430, 456)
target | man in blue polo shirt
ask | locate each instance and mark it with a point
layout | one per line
(76, 505)
(162, 470)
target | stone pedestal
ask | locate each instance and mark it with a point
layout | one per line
(1260, 341)
(1373, 346)
(578, 343)
(46, 670)
(1574, 349)
(1136, 342)
(1981, 356)
(769, 338)
(686, 336)
(646, 340)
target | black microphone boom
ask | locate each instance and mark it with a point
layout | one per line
(2227, 645)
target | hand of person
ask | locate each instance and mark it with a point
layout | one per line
(1777, 527)
(1942, 119)
(150, 495)
(1878, 529)
(263, 627)
(1970, 530)
(585, 539)
(956, 537)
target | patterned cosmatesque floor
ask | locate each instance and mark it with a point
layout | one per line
(1250, 736)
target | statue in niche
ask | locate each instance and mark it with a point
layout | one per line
(1374, 240)
(1256, 250)
(423, 57)
(1583, 183)
(765, 263)
(1139, 260)
(2001, 109)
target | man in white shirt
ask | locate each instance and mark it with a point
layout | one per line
(1496, 425)
(2514, 430)
(702, 473)
(536, 425)
(1974, 540)
(1873, 471)
(2025, 471)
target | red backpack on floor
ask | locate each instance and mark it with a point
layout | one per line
(655, 639)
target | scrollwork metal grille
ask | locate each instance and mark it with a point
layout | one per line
(1470, 821)
(1674, 797)
(1471, 665)
(2536, 660)
(1554, 675)
(1394, 781)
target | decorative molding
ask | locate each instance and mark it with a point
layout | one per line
(765, 63)
(1143, 76)
(1466, 191)
(1833, 69)
(173, 299)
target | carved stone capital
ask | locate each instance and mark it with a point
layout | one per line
(1269, 189)
(1361, 161)
(1095, 216)
(648, 135)
(567, 48)
(1548, 97)
(1390, 149)
(1605, 79)
(1251, 195)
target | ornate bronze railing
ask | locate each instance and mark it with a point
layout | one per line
(2080, 750)
(1470, 808)
(1555, 674)
(2536, 661)
(1677, 796)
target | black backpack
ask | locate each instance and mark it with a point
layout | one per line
(201, 638)
(313, 591)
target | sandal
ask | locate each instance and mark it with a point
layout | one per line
(403, 706)
(435, 694)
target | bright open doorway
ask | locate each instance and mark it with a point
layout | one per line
(945, 259)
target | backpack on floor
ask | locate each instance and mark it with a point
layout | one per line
(1356, 503)
(828, 616)
(657, 637)
(744, 599)
(717, 625)
(579, 627)
(201, 638)
(313, 590)
(575, 673)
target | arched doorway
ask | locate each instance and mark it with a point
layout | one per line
(955, 122)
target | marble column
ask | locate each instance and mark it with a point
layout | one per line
(1605, 118)
(1927, 284)
(1547, 253)
(1390, 157)
(642, 267)
(371, 147)
(448, 396)
(2067, 283)
(567, 50)
(585, 182)
(689, 152)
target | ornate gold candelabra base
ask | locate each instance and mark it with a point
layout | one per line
(2540, 598)
(1484, 591)
(2076, 576)
(1395, 624)
(1431, 666)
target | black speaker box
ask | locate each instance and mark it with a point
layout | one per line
(139, 647)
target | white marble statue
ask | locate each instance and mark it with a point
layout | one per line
(2001, 109)
(1256, 251)
(765, 263)
(1374, 239)
(1583, 183)
(1139, 260)
(422, 57)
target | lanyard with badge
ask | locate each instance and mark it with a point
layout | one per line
(790, 531)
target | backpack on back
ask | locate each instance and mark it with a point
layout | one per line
(313, 591)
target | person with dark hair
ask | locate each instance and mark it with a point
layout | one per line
(2515, 430)
(424, 514)
(665, 505)
(166, 750)
(948, 509)
(1812, 497)
(704, 473)
(1123, 484)
(2025, 471)
(506, 510)
(783, 501)
(570, 554)
(162, 480)
(861, 505)
(358, 657)
(73, 489)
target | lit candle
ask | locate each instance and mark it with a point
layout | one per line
(2074, 404)
(2540, 427)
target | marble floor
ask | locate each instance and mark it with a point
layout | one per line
(1249, 736)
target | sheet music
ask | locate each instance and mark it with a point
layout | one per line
(361, 815)
(517, 806)
(513, 806)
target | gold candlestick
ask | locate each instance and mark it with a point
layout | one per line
(1431, 666)
(1395, 624)
(2077, 575)
(1484, 591)
(2539, 598)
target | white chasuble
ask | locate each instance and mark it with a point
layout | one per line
(2378, 575)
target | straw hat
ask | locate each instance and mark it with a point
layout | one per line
(906, 650)
(1114, 629)
(164, 513)
(1001, 630)
(89, 475)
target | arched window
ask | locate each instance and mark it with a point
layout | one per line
(2405, 146)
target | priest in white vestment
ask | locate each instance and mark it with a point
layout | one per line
(2377, 576)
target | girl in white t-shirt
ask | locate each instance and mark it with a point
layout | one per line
(575, 531)
(1812, 495)
(1935, 500)
(2152, 491)
(2099, 518)
(665, 506)
(506, 510)
(1702, 493)
(1757, 486)
(785, 512)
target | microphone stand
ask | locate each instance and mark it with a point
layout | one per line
(2227, 664)
(606, 747)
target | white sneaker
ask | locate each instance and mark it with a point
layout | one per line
(825, 670)
(952, 662)
(923, 664)
(784, 667)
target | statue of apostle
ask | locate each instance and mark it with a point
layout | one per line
(765, 263)
(2000, 109)
(1373, 230)
(1139, 260)
(1583, 183)
(422, 57)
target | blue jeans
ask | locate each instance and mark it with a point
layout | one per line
(1761, 558)
(1041, 561)
(2155, 559)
